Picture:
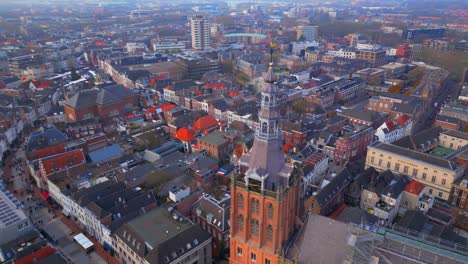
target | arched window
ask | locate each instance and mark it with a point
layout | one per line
(240, 222)
(270, 211)
(264, 127)
(269, 233)
(240, 201)
(254, 225)
(254, 206)
(267, 100)
(272, 127)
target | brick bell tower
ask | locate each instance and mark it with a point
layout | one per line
(265, 193)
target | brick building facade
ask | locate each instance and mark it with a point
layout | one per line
(103, 103)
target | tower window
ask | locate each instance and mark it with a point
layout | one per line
(253, 257)
(240, 202)
(254, 206)
(269, 233)
(254, 225)
(264, 127)
(270, 211)
(240, 222)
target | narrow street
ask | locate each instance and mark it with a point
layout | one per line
(44, 218)
(428, 117)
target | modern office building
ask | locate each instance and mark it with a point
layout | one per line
(13, 221)
(412, 33)
(310, 33)
(200, 32)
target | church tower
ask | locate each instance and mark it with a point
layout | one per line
(264, 195)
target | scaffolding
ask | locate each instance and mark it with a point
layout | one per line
(374, 244)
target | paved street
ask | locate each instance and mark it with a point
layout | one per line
(428, 117)
(43, 218)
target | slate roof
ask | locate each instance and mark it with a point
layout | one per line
(363, 114)
(321, 240)
(414, 220)
(420, 140)
(334, 187)
(106, 95)
(361, 181)
(356, 215)
(187, 119)
(415, 155)
(213, 211)
(85, 196)
(396, 186)
(447, 119)
(83, 99)
(159, 238)
(456, 134)
(405, 108)
(397, 96)
(105, 153)
(215, 138)
(122, 203)
(181, 85)
(45, 137)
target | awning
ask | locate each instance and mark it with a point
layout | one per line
(45, 195)
(84, 242)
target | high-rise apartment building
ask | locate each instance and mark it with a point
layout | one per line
(310, 33)
(200, 32)
(264, 200)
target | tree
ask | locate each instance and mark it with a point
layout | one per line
(300, 106)
(396, 88)
(228, 66)
(416, 74)
(74, 75)
(156, 180)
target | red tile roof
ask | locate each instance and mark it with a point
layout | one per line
(48, 151)
(390, 125)
(154, 79)
(239, 151)
(338, 212)
(185, 134)
(100, 44)
(62, 161)
(164, 108)
(414, 187)
(42, 84)
(215, 86)
(233, 93)
(37, 256)
(403, 120)
(130, 116)
(205, 123)
(287, 147)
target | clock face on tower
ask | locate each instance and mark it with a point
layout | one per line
(255, 185)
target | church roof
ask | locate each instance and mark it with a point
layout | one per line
(270, 76)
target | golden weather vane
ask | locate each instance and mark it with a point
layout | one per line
(272, 46)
